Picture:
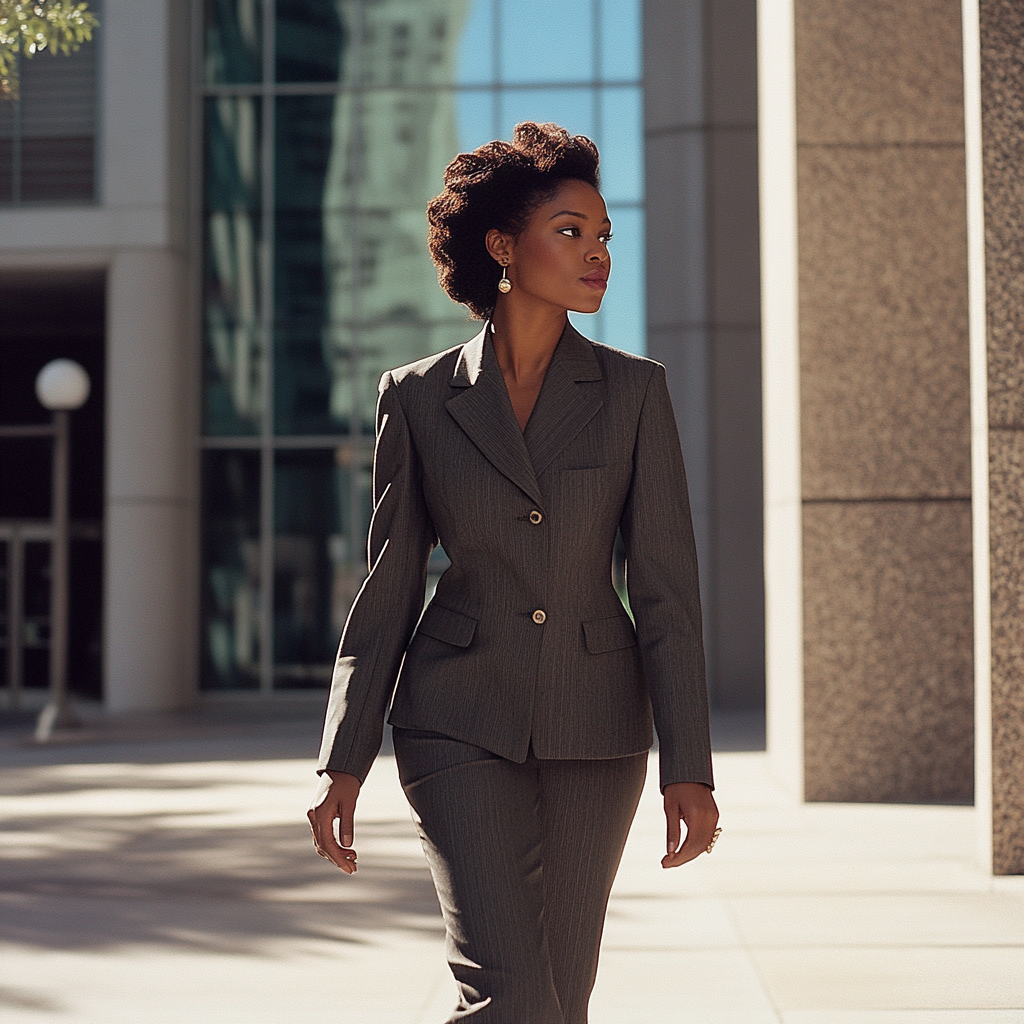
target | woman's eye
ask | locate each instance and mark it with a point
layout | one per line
(570, 232)
(606, 238)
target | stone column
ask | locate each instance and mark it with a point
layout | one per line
(1002, 145)
(884, 379)
(703, 306)
(150, 611)
(149, 615)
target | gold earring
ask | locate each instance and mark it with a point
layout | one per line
(504, 285)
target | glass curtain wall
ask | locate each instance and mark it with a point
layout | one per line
(327, 127)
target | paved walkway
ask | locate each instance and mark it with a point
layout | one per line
(163, 873)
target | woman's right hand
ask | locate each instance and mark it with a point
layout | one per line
(335, 799)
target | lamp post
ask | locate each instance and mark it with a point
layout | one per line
(61, 386)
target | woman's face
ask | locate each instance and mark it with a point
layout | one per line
(561, 257)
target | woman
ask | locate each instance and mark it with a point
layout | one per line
(523, 706)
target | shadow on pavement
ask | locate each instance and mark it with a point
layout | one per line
(90, 873)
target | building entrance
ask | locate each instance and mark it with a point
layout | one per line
(25, 608)
(45, 317)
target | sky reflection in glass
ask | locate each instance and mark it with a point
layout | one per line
(619, 50)
(543, 41)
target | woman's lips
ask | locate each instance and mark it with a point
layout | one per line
(596, 279)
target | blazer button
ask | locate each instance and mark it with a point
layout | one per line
(536, 517)
(539, 616)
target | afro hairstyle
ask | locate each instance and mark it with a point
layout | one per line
(499, 185)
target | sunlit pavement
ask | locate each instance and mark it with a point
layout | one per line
(161, 871)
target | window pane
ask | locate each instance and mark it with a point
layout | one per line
(234, 30)
(233, 391)
(309, 39)
(542, 41)
(386, 43)
(573, 109)
(414, 43)
(302, 383)
(321, 509)
(622, 145)
(476, 56)
(230, 582)
(476, 114)
(620, 40)
(624, 312)
(356, 289)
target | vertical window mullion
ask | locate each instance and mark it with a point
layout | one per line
(266, 666)
(498, 74)
(355, 505)
(16, 140)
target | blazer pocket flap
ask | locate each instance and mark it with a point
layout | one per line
(609, 634)
(448, 626)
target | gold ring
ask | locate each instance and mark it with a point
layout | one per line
(714, 839)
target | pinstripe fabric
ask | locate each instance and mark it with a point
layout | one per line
(523, 857)
(599, 454)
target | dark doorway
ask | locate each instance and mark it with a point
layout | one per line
(46, 316)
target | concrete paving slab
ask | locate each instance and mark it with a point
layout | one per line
(878, 977)
(684, 986)
(904, 1017)
(890, 919)
(694, 923)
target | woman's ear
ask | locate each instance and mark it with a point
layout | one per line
(499, 245)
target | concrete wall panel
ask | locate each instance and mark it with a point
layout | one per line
(673, 64)
(735, 257)
(149, 614)
(677, 233)
(149, 631)
(873, 72)
(883, 322)
(148, 364)
(889, 683)
(1002, 151)
(737, 530)
(136, 110)
(732, 63)
(1006, 524)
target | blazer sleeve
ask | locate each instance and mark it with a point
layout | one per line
(390, 601)
(664, 595)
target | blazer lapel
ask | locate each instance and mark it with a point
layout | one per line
(563, 407)
(484, 411)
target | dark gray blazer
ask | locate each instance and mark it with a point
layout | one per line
(525, 641)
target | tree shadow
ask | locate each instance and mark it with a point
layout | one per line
(217, 889)
(120, 879)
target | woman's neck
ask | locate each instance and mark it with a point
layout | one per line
(525, 338)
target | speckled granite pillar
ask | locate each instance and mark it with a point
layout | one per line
(885, 401)
(1002, 97)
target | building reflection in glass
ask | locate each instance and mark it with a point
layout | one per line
(389, 148)
(231, 576)
(232, 332)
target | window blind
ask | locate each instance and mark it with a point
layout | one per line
(48, 135)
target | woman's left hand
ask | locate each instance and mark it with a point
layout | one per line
(694, 804)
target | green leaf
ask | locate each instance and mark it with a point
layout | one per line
(29, 28)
